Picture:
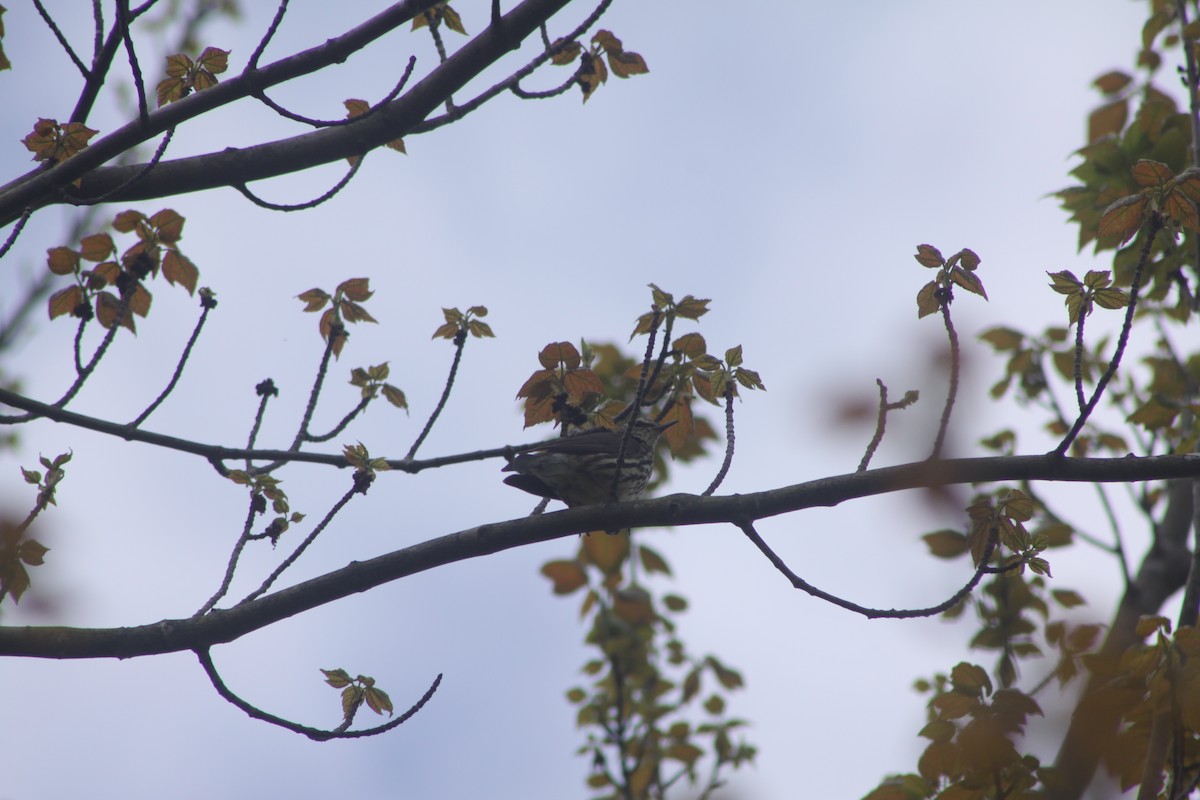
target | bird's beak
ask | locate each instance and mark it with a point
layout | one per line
(666, 425)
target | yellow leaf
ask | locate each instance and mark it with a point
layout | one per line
(64, 301)
(927, 302)
(624, 64)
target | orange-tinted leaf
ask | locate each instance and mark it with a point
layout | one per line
(127, 221)
(608, 553)
(214, 59)
(139, 301)
(62, 260)
(64, 301)
(564, 52)
(314, 300)
(1112, 82)
(652, 561)
(108, 308)
(356, 289)
(927, 302)
(929, 256)
(625, 63)
(567, 576)
(97, 247)
(969, 281)
(452, 20)
(169, 225)
(564, 353)
(1123, 217)
(1151, 173)
(582, 382)
(178, 268)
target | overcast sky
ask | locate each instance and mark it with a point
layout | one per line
(783, 160)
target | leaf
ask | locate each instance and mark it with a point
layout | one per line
(969, 281)
(178, 268)
(169, 225)
(1151, 173)
(653, 562)
(65, 301)
(946, 543)
(1112, 82)
(356, 289)
(314, 299)
(567, 576)
(1068, 598)
(623, 64)
(564, 52)
(559, 353)
(1123, 217)
(452, 20)
(62, 260)
(1002, 338)
(927, 302)
(1065, 282)
(929, 256)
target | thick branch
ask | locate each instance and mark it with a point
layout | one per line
(241, 165)
(227, 625)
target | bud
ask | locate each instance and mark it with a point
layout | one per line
(578, 469)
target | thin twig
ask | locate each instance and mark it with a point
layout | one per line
(139, 84)
(341, 426)
(333, 123)
(252, 64)
(62, 40)
(460, 341)
(357, 488)
(1079, 398)
(729, 440)
(1150, 232)
(16, 231)
(315, 734)
(952, 389)
(241, 187)
(876, 613)
(234, 557)
(187, 351)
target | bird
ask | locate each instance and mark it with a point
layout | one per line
(578, 468)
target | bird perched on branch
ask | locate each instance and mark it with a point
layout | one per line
(578, 469)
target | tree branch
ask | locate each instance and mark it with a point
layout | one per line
(240, 165)
(226, 625)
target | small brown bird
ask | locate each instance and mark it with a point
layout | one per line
(578, 469)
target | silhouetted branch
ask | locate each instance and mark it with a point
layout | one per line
(231, 566)
(226, 625)
(286, 156)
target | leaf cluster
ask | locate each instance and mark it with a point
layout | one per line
(344, 307)
(156, 249)
(185, 75)
(959, 270)
(357, 691)
(592, 72)
(646, 689)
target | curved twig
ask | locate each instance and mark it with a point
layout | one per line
(316, 734)
(253, 198)
(729, 439)
(460, 342)
(879, 613)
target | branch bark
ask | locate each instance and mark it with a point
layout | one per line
(240, 165)
(226, 625)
